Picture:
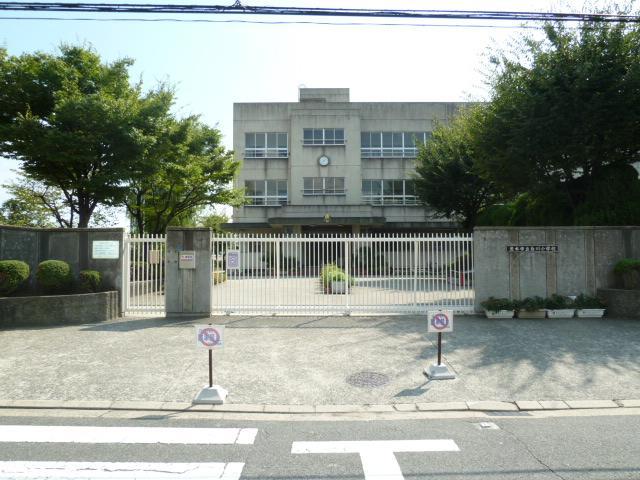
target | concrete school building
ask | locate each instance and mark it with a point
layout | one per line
(325, 164)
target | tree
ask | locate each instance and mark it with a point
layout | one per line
(185, 170)
(33, 204)
(72, 122)
(445, 171)
(564, 117)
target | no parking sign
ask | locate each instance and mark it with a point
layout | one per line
(210, 336)
(440, 321)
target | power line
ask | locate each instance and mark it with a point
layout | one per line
(239, 9)
(273, 22)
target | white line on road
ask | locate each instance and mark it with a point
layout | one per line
(377, 457)
(72, 434)
(116, 470)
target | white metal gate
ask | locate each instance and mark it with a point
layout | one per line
(338, 274)
(143, 274)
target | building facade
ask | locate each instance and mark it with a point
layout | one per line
(325, 164)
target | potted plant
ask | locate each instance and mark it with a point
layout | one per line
(558, 306)
(531, 307)
(588, 306)
(628, 270)
(498, 307)
(338, 282)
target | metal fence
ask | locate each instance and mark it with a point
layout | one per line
(341, 274)
(144, 276)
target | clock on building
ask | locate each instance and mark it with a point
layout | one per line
(323, 161)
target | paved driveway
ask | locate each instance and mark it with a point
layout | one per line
(316, 360)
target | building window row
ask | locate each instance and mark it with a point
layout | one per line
(391, 144)
(389, 192)
(266, 145)
(266, 192)
(374, 192)
(323, 136)
(323, 186)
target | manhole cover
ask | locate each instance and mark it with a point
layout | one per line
(367, 379)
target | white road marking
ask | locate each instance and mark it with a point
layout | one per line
(69, 434)
(377, 457)
(116, 470)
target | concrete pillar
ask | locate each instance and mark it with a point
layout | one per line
(188, 291)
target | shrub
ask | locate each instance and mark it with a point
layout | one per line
(628, 269)
(89, 281)
(626, 265)
(531, 304)
(588, 301)
(332, 273)
(54, 276)
(558, 302)
(496, 304)
(13, 275)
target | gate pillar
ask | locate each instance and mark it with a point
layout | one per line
(188, 274)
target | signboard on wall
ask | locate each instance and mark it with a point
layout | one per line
(532, 248)
(105, 249)
(233, 259)
(187, 260)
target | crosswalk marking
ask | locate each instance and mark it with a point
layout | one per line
(189, 436)
(117, 470)
(378, 456)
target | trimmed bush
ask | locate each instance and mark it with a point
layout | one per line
(496, 304)
(531, 304)
(558, 302)
(628, 270)
(54, 276)
(588, 301)
(89, 281)
(13, 275)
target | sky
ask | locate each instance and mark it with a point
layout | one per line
(213, 65)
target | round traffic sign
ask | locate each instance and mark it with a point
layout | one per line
(209, 337)
(440, 321)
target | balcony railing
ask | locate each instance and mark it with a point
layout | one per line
(390, 199)
(324, 191)
(267, 201)
(266, 153)
(379, 152)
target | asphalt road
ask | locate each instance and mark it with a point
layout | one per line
(591, 446)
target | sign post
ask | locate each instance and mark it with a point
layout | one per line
(210, 337)
(439, 321)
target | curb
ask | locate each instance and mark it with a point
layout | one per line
(472, 406)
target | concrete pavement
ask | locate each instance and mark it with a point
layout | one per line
(322, 361)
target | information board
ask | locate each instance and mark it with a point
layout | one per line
(105, 249)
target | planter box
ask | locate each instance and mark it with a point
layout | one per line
(561, 313)
(590, 312)
(534, 314)
(499, 314)
(338, 287)
(49, 310)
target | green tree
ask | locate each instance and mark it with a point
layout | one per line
(72, 122)
(185, 170)
(33, 204)
(445, 171)
(564, 117)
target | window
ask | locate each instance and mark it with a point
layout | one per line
(323, 186)
(266, 145)
(389, 192)
(266, 192)
(391, 144)
(323, 136)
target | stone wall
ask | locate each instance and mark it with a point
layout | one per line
(583, 263)
(52, 310)
(34, 245)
